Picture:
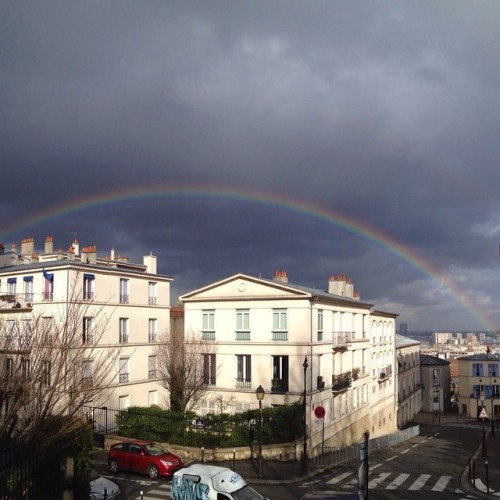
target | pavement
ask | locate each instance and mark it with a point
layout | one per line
(480, 477)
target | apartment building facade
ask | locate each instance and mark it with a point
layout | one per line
(295, 341)
(132, 301)
(410, 389)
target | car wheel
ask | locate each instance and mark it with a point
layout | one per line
(113, 465)
(153, 472)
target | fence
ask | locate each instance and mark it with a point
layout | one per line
(327, 456)
(15, 476)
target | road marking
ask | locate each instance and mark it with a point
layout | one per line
(442, 483)
(423, 478)
(375, 482)
(339, 478)
(398, 481)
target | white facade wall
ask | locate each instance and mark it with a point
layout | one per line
(341, 351)
(137, 386)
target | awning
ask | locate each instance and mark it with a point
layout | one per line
(11, 280)
(28, 278)
(89, 276)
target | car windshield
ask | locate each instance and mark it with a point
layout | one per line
(247, 493)
(155, 449)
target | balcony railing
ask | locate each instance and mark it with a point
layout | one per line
(279, 385)
(124, 299)
(152, 338)
(88, 296)
(151, 374)
(209, 380)
(280, 336)
(123, 377)
(208, 335)
(342, 382)
(241, 382)
(152, 301)
(243, 335)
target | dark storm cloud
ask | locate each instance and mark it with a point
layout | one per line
(386, 112)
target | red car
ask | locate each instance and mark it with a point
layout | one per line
(143, 456)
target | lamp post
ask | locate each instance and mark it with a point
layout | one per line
(260, 393)
(492, 416)
(304, 454)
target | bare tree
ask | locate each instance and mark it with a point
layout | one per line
(52, 363)
(186, 367)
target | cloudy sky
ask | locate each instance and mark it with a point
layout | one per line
(324, 137)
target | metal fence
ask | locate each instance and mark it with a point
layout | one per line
(328, 456)
(15, 476)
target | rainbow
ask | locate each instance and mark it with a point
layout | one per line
(302, 207)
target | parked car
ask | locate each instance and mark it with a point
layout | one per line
(102, 488)
(144, 457)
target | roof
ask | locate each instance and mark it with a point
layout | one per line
(427, 360)
(402, 341)
(484, 356)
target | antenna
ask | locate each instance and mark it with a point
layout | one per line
(74, 235)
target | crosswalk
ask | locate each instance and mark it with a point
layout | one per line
(161, 491)
(394, 481)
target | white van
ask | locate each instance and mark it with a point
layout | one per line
(210, 482)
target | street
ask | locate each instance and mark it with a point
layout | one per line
(432, 463)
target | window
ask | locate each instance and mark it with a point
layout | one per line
(320, 325)
(152, 398)
(280, 374)
(280, 324)
(152, 330)
(88, 286)
(493, 370)
(436, 377)
(9, 367)
(25, 368)
(28, 289)
(11, 286)
(88, 330)
(45, 372)
(87, 372)
(209, 369)
(243, 370)
(48, 285)
(123, 370)
(243, 324)
(26, 333)
(477, 369)
(123, 402)
(10, 328)
(123, 330)
(151, 367)
(152, 299)
(208, 328)
(124, 297)
(47, 329)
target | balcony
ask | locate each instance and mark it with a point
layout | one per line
(279, 385)
(280, 336)
(152, 301)
(245, 336)
(208, 335)
(20, 303)
(342, 382)
(341, 340)
(151, 374)
(243, 383)
(384, 374)
(123, 378)
(88, 296)
(124, 299)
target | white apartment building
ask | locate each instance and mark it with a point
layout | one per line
(133, 298)
(266, 329)
(410, 389)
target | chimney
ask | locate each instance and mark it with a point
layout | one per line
(349, 288)
(27, 246)
(357, 295)
(71, 253)
(150, 263)
(280, 276)
(49, 245)
(337, 285)
(112, 256)
(13, 248)
(2, 248)
(76, 246)
(89, 254)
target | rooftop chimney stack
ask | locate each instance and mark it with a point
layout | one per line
(89, 254)
(349, 288)
(337, 285)
(150, 263)
(27, 246)
(49, 245)
(76, 246)
(280, 276)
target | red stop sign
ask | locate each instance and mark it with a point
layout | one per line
(319, 412)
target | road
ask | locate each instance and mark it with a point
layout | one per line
(431, 463)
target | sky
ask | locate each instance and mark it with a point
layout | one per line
(319, 138)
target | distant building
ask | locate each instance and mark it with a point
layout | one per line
(403, 329)
(436, 379)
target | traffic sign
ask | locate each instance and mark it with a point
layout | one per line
(319, 412)
(484, 413)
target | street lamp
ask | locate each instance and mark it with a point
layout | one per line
(260, 393)
(304, 455)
